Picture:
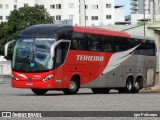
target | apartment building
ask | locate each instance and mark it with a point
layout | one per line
(151, 8)
(138, 6)
(6, 6)
(81, 12)
(97, 12)
(157, 10)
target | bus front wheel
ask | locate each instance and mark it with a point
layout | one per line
(39, 91)
(74, 86)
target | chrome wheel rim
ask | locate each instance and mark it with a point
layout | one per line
(137, 85)
(72, 85)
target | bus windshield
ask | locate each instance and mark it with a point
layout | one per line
(32, 55)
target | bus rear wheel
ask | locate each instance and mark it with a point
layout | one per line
(74, 86)
(39, 91)
(137, 86)
(128, 88)
(100, 90)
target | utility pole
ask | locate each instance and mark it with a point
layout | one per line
(84, 13)
(153, 10)
(144, 17)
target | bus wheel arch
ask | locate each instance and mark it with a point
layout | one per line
(138, 84)
(74, 85)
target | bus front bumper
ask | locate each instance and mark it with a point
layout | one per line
(32, 84)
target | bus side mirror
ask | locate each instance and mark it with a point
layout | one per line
(6, 49)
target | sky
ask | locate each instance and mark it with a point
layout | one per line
(126, 3)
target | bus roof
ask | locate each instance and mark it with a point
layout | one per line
(49, 30)
(141, 37)
(43, 30)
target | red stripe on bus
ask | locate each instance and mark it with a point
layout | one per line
(99, 31)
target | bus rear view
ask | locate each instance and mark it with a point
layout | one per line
(58, 57)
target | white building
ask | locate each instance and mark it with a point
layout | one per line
(62, 9)
(97, 12)
(151, 8)
(82, 12)
(120, 17)
(138, 6)
(157, 10)
(6, 6)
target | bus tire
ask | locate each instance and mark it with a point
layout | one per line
(74, 86)
(128, 88)
(129, 85)
(137, 85)
(100, 90)
(39, 91)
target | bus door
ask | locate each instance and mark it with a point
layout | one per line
(61, 51)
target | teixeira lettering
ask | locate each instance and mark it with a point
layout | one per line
(90, 58)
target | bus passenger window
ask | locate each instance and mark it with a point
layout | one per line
(63, 36)
(107, 44)
(120, 44)
(151, 48)
(116, 48)
(94, 44)
(78, 42)
(132, 42)
(74, 44)
(142, 47)
(107, 47)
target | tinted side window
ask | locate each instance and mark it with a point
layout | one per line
(107, 44)
(78, 42)
(142, 48)
(94, 42)
(151, 48)
(120, 44)
(66, 35)
(133, 43)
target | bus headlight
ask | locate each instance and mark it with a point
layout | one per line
(47, 78)
(14, 77)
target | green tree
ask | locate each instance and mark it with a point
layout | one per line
(20, 19)
(3, 31)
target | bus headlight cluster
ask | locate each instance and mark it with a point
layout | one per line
(14, 77)
(47, 78)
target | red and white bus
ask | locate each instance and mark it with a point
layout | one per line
(60, 57)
